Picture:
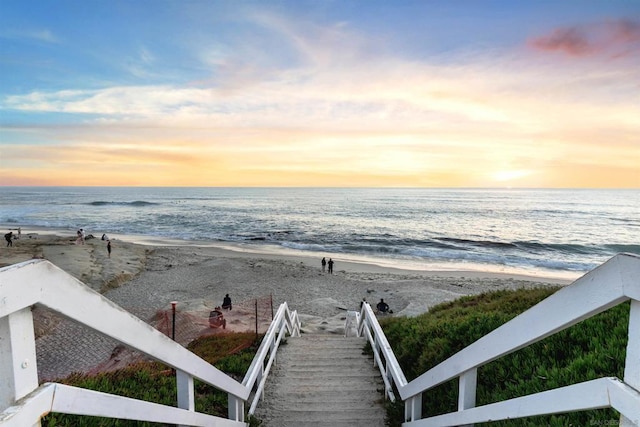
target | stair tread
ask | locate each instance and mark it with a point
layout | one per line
(323, 380)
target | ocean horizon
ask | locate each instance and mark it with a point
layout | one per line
(559, 233)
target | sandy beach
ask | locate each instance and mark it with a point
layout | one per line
(145, 279)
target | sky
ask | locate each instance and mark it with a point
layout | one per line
(461, 93)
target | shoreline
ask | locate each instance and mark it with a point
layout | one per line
(346, 262)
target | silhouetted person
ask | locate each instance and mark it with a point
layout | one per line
(226, 302)
(109, 248)
(330, 266)
(9, 238)
(382, 306)
(324, 264)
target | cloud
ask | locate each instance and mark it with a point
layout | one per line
(612, 38)
(316, 45)
(388, 94)
(321, 101)
(42, 35)
(141, 64)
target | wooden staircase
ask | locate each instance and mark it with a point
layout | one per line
(323, 380)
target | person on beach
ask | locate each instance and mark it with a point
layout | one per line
(226, 302)
(330, 263)
(109, 248)
(80, 239)
(382, 306)
(9, 238)
(216, 319)
(324, 263)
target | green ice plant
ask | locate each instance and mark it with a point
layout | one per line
(591, 349)
(151, 381)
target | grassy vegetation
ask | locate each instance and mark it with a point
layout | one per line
(154, 382)
(591, 349)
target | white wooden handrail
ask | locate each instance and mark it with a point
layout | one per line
(39, 282)
(614, 282)
(52, 397)
(383, 355)
(284, 322)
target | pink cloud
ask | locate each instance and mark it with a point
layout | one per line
(613, 38)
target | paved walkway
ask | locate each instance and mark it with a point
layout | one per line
(323, 380)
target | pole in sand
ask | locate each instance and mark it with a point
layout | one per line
(173, 311)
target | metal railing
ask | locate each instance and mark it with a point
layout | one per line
(612, 283)
(23, 401)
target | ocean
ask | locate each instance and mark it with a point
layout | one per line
(550, 233)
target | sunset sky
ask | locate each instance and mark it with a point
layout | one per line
(320, 93)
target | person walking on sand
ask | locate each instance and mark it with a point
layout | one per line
(109, 248)
(9, 238)
(324, 264)
(330, 266)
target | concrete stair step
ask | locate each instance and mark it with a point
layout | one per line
(363, 423)
(323, 380)
(363, 397)
(324, 415)
(327, 366)
(321, 407)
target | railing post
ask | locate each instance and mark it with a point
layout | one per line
(17, 357)
(467, 384)
(348, 324)
(376, 349)
(389, 377)
(186, 394)
(173, 319)
(261, 372)
(272, 348)
(413, 408)
(632, 362)
(236, 408)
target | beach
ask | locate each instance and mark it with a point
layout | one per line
(145, 279)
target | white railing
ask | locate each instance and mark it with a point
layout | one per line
(24, 402)
(284, 322)
(41, 283)
(383, 356)
(614, 282)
